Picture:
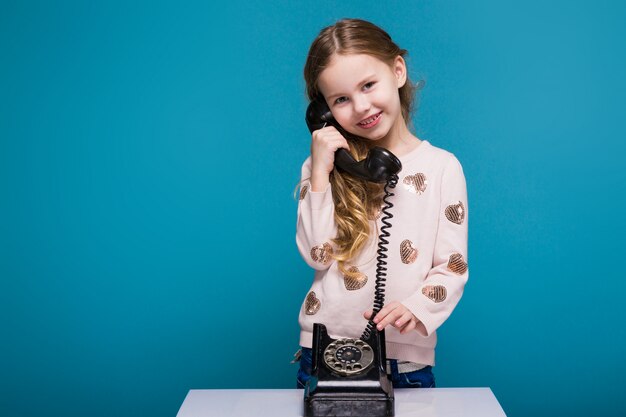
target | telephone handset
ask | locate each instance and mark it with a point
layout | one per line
(378, 166)
(349, 376)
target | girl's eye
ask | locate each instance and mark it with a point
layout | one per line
(340, 100)
(369, 85)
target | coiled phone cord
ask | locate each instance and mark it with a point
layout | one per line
(381, 274)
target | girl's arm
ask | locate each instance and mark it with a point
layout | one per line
(316, 210)
(442, 289)
(316, 222)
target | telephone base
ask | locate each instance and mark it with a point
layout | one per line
(348, 406)
(362, 393)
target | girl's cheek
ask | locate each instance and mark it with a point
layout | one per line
(343, 118)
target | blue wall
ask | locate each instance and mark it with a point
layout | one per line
(148, 157)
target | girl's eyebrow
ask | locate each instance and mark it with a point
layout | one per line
(359, 84)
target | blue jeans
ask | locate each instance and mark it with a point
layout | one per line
(422, 378)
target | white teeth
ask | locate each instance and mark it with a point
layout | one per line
(370, 120)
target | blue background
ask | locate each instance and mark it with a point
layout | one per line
(149, 152)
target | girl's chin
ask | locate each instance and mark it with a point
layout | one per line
(377, 133)
(373, 136)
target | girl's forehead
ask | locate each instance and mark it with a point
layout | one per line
(346, 70)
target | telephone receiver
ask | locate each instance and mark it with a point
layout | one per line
(378, 166)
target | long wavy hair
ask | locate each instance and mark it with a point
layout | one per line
(356, 201)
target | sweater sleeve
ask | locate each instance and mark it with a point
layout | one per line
(443, 287)
(316, 223)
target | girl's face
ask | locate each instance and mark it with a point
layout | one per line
(362, 93)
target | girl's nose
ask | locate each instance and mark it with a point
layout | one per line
(361, 104)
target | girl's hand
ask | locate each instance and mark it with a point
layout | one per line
(324, 144)
(397, 315)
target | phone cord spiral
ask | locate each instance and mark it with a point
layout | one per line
(381, 269)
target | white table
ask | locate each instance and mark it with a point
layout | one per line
(422, 402)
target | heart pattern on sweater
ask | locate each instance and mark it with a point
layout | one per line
(408, 253)
(456, 264)
(415, 183)
(354, 279)
(437, 293)
(455, 213)
(303, 191)
(322, 253)
(312, 304)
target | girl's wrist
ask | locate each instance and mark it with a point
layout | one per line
(319, 181)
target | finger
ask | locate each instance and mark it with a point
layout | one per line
(385, 310)
(340, 142)
(411, 325)
(368, 314)
(330, 141)
(380, 316)
(389, 318)
(330, 128)
(327, 132)
(327, 128)
(402, 321)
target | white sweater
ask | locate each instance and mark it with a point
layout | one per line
(427, 255)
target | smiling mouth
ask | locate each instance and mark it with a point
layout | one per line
(370, 121)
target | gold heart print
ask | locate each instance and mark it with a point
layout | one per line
(415, 183)
(303, 191)
(455, 213)
(354, 279)
(408, 253)
(322, 253)
(312, 304)
(456, 264)
(437, 293)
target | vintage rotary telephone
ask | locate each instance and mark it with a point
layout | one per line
(349, 376)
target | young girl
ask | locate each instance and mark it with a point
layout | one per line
(362, 75)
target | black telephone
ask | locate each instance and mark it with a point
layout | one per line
(349, 376)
